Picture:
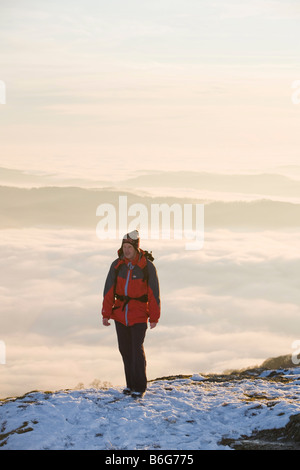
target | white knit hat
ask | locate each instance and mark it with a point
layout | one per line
(133, 238)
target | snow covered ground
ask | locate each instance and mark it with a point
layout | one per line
(176, 413)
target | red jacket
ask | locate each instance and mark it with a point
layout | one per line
(125, 284)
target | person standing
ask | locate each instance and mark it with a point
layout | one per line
(131, 298)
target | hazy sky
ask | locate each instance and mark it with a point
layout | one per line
(103, 89)
(99, 88)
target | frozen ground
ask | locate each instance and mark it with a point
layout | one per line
(177, 413)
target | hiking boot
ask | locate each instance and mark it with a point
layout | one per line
(137, 394)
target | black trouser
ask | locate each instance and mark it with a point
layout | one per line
(130, 341)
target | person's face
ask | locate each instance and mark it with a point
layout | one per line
(129, 251)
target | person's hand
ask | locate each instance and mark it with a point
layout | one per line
(105, 322)
(152, 325)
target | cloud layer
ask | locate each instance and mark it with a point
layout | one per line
(232, 304)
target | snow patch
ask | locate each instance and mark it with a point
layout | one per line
(182, 414)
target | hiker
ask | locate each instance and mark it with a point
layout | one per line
(131, 298)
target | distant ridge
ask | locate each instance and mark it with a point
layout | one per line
(283, 362)
(273, 363)
(264, 184)
(278, 362)
(76, 207)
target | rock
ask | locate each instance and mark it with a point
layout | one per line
(287, 438)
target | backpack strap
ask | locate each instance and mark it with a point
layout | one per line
(117, 268)
(126, 299)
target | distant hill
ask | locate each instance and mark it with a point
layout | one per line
(262, 184)
(76, 207)
(272, 363)
(280, 362)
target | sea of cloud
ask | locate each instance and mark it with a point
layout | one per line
(230, 305)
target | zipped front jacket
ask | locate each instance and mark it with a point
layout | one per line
(131, 292)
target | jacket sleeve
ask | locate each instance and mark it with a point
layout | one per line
(153, 294)
(108, 293)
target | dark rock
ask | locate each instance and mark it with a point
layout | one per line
(286, 438)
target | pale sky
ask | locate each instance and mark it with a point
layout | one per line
(102, 89)
(97, 88)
